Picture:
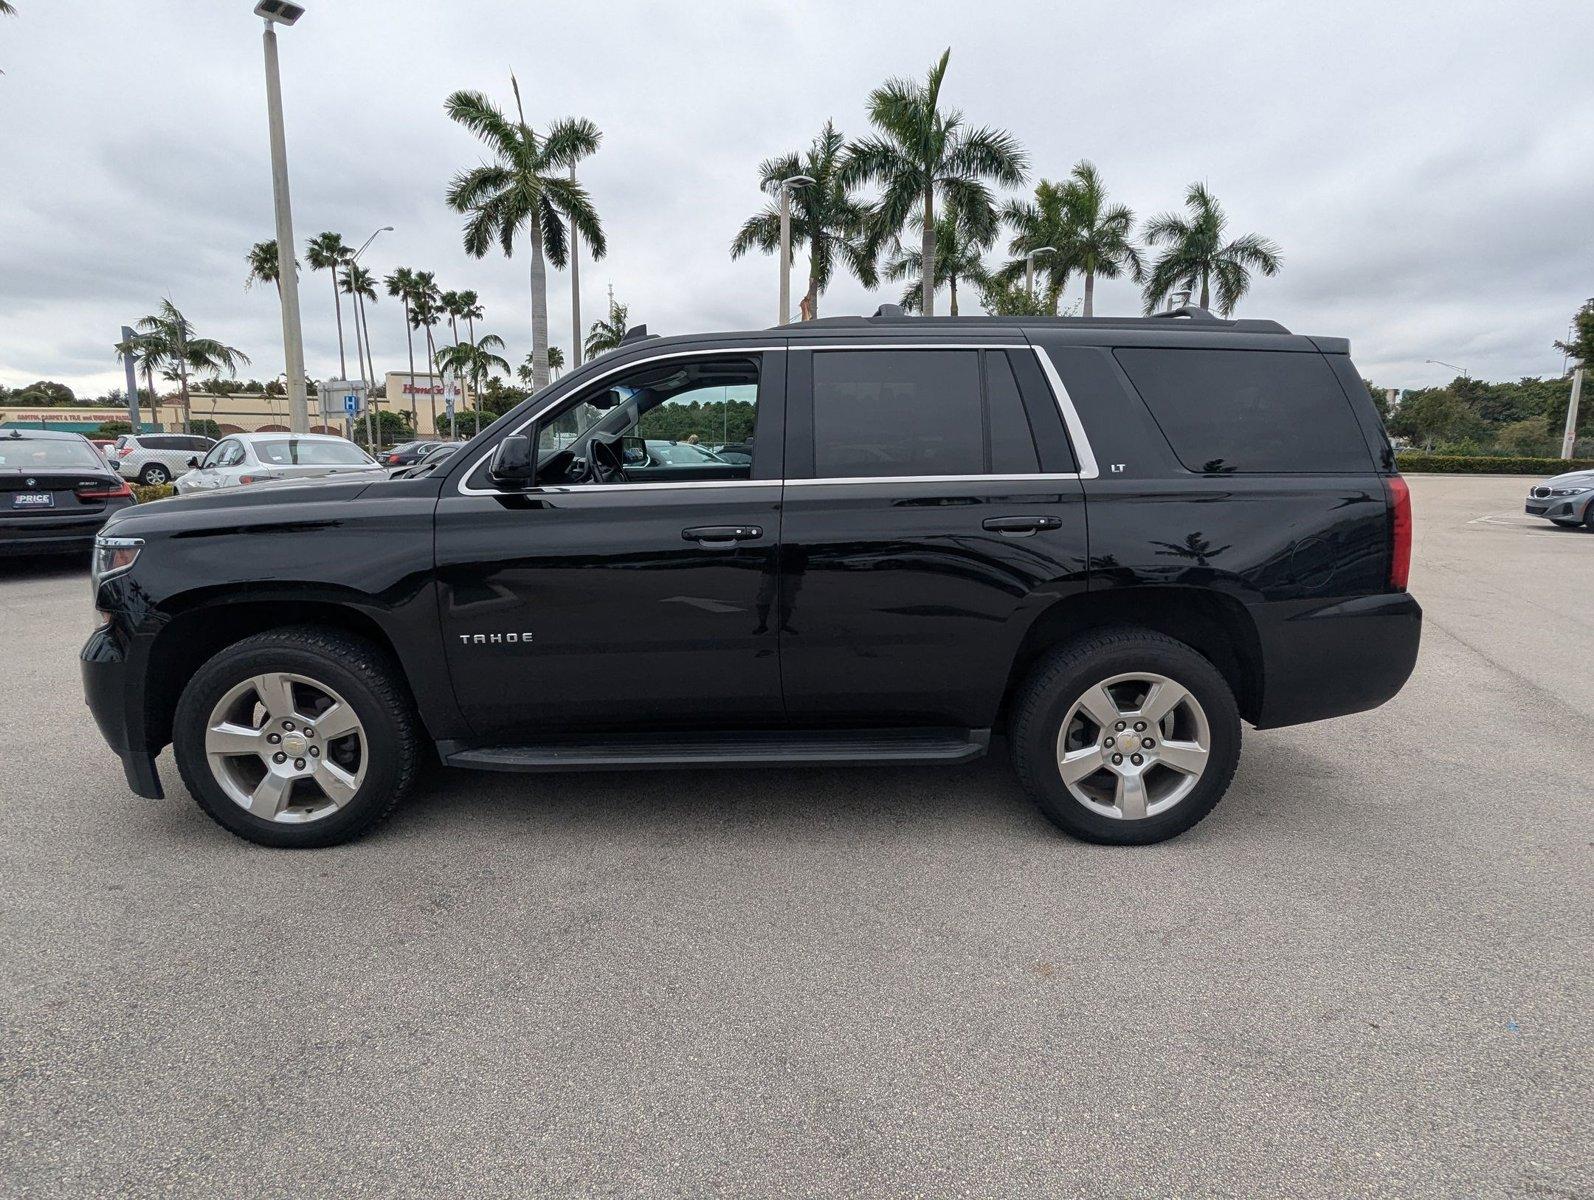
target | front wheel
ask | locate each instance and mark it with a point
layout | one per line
(1126, 737)
(297, 737)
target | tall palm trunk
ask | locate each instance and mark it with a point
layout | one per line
(953, 308)
(810, 304)
(575, 290)
(475, 383)
(154, 400)
(409, 337)
(539, 311)
(1090, 293)
(1205, 295)
(337, 303)
(927, 255)
(431, 377)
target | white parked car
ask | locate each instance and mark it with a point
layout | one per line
(156, 457)
(244, 458)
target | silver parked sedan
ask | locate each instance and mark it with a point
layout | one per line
(1567, 500)
(245, 458)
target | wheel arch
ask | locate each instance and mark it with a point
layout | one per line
(200, 626)
(1215, 625)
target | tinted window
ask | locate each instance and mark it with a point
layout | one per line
(158, 443)
(198, 443)
(1012, 446)
(38, 454)
(897, 412)
(1249, 410)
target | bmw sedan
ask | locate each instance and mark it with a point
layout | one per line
(55, 492)
(1567, 500)
(244, 458)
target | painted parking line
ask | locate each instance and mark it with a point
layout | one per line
(1507, 517)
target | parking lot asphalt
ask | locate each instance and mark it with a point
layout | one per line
(1367, 973)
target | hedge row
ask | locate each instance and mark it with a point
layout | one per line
(1414, 462)
(145, 492)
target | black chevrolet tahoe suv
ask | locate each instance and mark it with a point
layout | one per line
(1109, 541)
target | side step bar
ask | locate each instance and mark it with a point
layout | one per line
(731, 749)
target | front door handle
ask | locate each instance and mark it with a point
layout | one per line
(721, 536)
(1020, 526)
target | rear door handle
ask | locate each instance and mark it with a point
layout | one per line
(1019, 526)
(721, 536)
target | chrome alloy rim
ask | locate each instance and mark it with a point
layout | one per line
(1133, 746)
(286, 748)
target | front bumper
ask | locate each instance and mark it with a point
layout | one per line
(105, 688)
(1559, 508)
(1330, 660)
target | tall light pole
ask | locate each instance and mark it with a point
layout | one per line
(359, 323)
(1029, 267)
(786, 186)
(1439, 362)
(277, 12)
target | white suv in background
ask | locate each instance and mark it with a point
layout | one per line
(157, 457)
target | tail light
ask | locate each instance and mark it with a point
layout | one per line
(257, 478)
(124, 452)
(103, 490)
(392, 459)
(1399, 532)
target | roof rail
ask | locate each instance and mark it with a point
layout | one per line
(1193, 311)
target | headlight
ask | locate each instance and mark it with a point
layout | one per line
(113, 555)
(1570, 491)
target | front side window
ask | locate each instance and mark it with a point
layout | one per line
(231, 454)
(660, 422)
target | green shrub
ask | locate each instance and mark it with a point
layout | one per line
(143, 493)
(1416, 462)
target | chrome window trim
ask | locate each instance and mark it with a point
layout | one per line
(1083, 453)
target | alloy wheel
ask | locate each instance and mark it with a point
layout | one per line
(1133, 746)
(286, 748)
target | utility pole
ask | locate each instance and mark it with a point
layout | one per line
(1569, 439)
(786, 186)
(132, 378)
(288, 278)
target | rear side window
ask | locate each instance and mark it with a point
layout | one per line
(1012, 444)
(1248, 411)
(156, 443)
(897, 412)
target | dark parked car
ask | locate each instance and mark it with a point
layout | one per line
(427, 462)
(1567, 500)
(56, 490)
(406, 455)
(1113, 540)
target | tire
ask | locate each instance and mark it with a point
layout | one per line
(1128, 661)
(316, 798)
(154, 473)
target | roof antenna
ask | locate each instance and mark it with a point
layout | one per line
(889, 310)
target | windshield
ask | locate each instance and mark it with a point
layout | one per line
(38, 454)
(287, 452)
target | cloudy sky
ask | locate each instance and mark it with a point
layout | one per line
(1428, 168)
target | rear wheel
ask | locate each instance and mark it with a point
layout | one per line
(1126, 737)
(296, 737)
(154, 473)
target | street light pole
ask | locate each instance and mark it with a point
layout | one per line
(292, 335)
(786, 186)
(1439, 362)
(1569, 438)
(132, 378)
(368, 380)
(1029, 267)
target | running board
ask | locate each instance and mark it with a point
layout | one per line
(733, 749)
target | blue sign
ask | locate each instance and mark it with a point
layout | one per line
(351, 403)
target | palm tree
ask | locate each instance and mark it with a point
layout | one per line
(401, 284)
(471, 312)
(556, 364)
(359, 284)
(585, 141)
(174, 346)
(328, 251)
(472, 361)
(519, 191)
(825, 216)
(263, 265)
(921, 153)
(425, 313)
(606, 335)
(1087, 235)
(1197, 254)
(959, 255)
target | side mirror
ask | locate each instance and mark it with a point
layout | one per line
(514, 463)
(633, 451)
(193, 460)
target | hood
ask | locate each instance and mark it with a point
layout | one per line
(284, 501)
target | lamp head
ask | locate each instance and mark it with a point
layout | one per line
(279, 11)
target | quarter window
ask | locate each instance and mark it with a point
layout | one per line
(1249, 411)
